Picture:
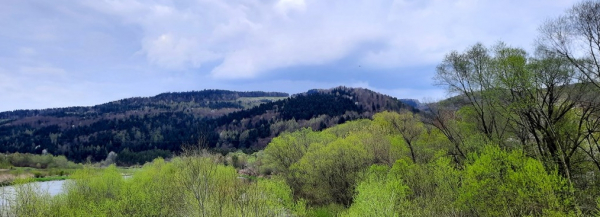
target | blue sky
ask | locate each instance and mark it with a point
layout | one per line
(84, 52)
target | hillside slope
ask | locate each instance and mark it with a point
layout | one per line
(205, 103)
(162, 124)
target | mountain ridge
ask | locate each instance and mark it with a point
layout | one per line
(237, 120)
(172, 96)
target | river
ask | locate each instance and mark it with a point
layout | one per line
(53, 188)
(7, 193)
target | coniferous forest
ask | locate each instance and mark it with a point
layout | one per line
(161, 125)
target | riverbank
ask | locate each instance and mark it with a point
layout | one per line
(8, 181)
(10, 176)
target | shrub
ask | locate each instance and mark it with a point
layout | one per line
(382, 193)
(38, 175)
(509, 183)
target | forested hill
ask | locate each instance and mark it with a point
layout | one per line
(176, 101)
(139, 129)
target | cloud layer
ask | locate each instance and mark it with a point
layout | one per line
(251, 37)
(52, 52)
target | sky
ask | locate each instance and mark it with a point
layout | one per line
(64, 53)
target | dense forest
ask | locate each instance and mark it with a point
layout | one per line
(141, 129)
(213, 99)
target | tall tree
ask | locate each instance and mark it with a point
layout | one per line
(537, 95)
(538, 101)
(468, 75)
(407, 124)
(576, 37)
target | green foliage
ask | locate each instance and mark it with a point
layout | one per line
(597, 212)
(433, 187)
(267, 197)
(322, 167)
(544, 105)
(30, 199)
(330, 210)
(328, 173)
(35, 161)
(94, 190)
(37, 175)
(53, 178)
(343, 130)
(238, 159)
(4, 162)
(382, 193)
(431, 143)
(509, 183)
(288, 148)
(360, 168)
(150, 186)
(162, 189)
(406, 125)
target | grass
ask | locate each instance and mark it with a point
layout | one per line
(50, 178)
(251, 178)
(37, 172)
(327, 210)
(40, 179)
(8, 176)
(128, 171)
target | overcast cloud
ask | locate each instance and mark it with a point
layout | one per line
(69, 53)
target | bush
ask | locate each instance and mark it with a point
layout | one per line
(38, 161)
(509, 183)
(38, 175)
(433, 187)
(330, 210)
(382, 193)
(327, 174)
(4, 162)
(189, 186)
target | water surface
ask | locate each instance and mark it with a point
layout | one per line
(7, 193)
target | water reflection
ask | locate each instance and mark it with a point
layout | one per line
(7, 193)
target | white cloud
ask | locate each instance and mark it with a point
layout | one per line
(64, 50)
(250, 37)
(424, 31)
(253, 36)
(286, 6)
(176, 52)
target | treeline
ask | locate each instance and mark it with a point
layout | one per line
(93, 142)
(216, 95)
(35, 161)
(249, 129)
(127, 157)
(162, 101)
